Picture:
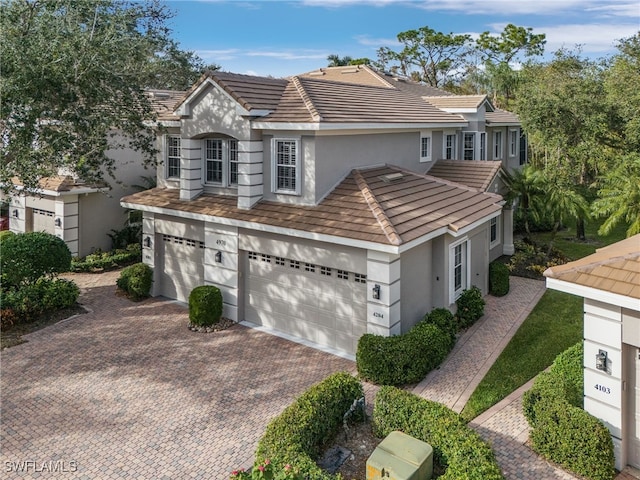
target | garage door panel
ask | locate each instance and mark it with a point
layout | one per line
(43, 220)
(182, 268)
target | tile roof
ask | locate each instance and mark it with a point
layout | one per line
(364, 206)
(58, 183)
(499, 116)
(164, 101)
(456, 101)
(339, 102)
(613, 269)
(357, 74)
(472, 173)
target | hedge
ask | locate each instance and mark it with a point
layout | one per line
(100, 261)
(498, 279)
(297, 435)
(455, 446)
(136, 280)
(561, 430)
(402, 359)
(205, 305)
(45, 295)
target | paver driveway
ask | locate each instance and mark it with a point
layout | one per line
(127, 391)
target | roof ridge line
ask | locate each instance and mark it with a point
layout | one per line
(378, 212)
(306, 99)
(374, 73)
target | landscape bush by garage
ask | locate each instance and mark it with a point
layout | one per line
(561, 430)
(402, 359)
(470, 307)
(44, 295)
(296, 436)
(444, 320)
(205, 305)
(28, 256)
(455, 446)
(498, 279)
(136, 280)
(100, 261)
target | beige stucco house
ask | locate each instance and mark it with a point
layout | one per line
(609, 281)
(311, 200)
(82, 214)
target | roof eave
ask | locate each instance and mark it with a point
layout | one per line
(318, 126)
(593, 293)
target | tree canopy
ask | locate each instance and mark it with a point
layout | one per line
(73, 75)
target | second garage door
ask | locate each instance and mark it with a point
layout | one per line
(326, 306)
(183, 268)
(43, 220)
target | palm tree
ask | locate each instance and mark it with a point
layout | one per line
(337, 61)
(525, 189)
(619, 197)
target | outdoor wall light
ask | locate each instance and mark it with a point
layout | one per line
(601, 360)
(376, 292)
(218, 257)
(147, 241)
(15, 213)
(58, 222)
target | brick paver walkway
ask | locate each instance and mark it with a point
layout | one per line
(127, 391)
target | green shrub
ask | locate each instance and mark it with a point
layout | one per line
(470, 307)
(44, 295)
(573, 438)
(100, 261)
(444, 320)
(561, 430)
(296, 436)
(205, 305)
(6, 234)
(530, 260)
(28, 256)
(498, 279)
(136, 280)
(455, 446)
(402, 359)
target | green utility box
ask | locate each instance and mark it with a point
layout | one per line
(401, 457)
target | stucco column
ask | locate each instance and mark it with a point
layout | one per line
(250, 173)
(149, 250)
(190, 168)
(507, 229)
(383, 280)
(67, 211)
(17, 214)
(221, 264)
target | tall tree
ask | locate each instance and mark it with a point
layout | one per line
(338, 61)
(432, 57)
(497, 54)
(563, 111)
(73, 73)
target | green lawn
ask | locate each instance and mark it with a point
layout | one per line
(554, 325)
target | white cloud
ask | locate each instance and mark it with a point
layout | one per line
(520, 7)
(368, 41)
(218, 55)
(288, 55)
(594, 37)
(631, 9)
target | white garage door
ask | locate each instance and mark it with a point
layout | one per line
(633, 406)
(183, 267)
(43, 220)
(324, 305)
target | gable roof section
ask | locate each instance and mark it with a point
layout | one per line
(339, 102)
(459, 103)
(357, 74)
(164, 101)
(501, 117)
(613, 269)
(364, 206)
(475, 174)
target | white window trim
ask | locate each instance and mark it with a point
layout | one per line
(466, 282)
(444, 144)
(474, 148)
(274, 168)
(513, 142)
(495, 242)
(497, 145)
(165, 155)
(429, 156)
(482, 149)
(226, 163)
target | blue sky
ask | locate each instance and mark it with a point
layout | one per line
(281, 38)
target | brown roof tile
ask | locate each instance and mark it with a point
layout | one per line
(456, 101)
(364, 206)
(472, 173)
(501, 117)
(164, 101)
(614, 269)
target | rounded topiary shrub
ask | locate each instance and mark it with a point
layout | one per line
(470, 307)
(28, 256)
(136, 280)
(444, 320)
(205, 305)
(498, 279)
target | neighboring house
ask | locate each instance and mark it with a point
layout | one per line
(609, 281)
(309, 200)
(82, 214)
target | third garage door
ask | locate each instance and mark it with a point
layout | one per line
(326, 306)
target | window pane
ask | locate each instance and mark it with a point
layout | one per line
(425, 147)
(286, 164)
(173, 157)
(233, 162)
(469, 146)
(213, 157)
